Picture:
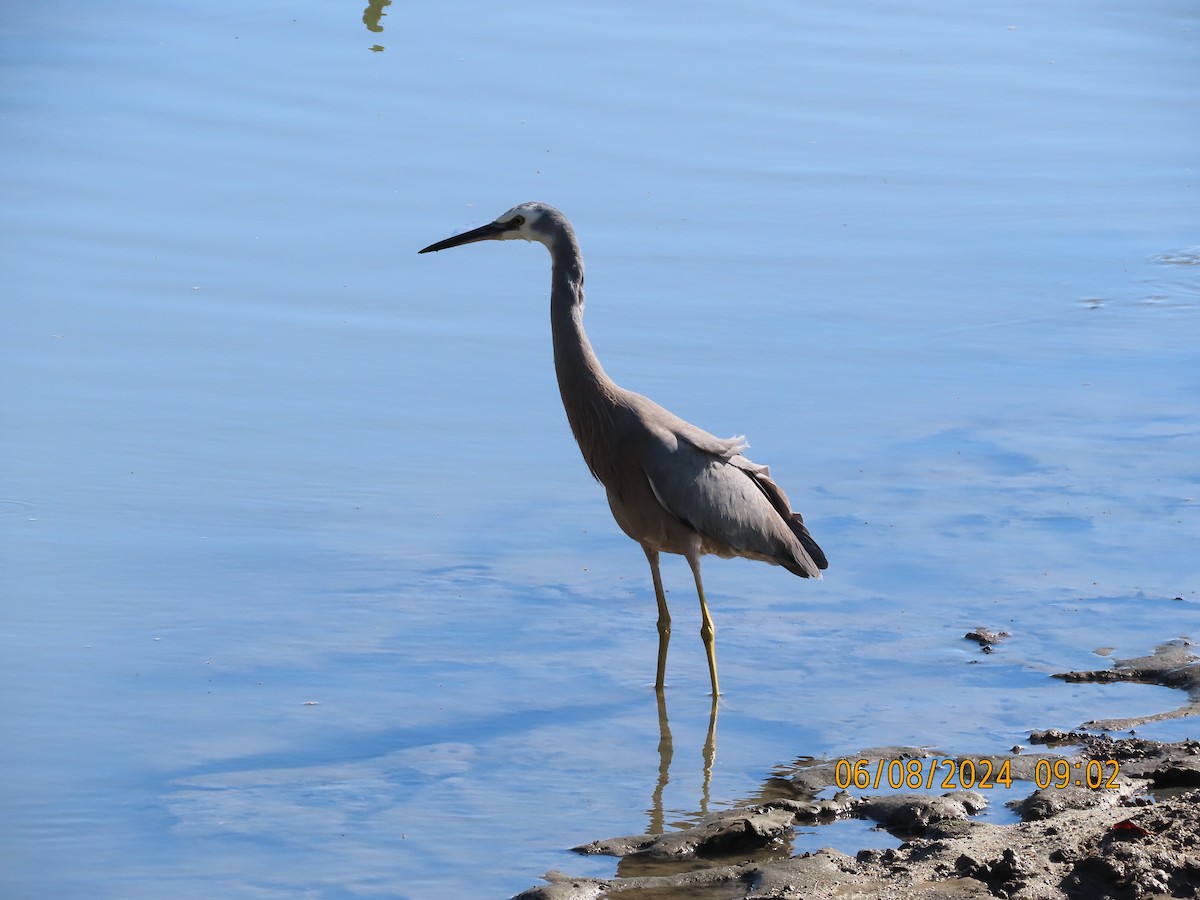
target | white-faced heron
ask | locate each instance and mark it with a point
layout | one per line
(672, 487)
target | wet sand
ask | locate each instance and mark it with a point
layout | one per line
(1112, 818)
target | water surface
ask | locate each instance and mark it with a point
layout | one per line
(305, 587)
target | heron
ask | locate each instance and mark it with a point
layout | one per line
(671, 486)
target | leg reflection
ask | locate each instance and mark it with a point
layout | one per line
(710, 754)
(666, 752)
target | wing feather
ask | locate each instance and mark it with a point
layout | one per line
(729, 501)
(706, 482)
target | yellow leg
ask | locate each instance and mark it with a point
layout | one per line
(664, 618)
(707, 631)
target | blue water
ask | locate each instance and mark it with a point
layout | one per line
(304, 588)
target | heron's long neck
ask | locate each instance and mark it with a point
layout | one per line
(588, 394)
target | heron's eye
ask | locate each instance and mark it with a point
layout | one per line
(516, 221)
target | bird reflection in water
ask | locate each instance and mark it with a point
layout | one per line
(371, 18)
(373, 13)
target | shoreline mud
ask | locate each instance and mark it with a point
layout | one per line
(1113, 818)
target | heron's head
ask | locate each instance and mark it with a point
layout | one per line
(531, 221)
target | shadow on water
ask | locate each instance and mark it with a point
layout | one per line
(349, 748)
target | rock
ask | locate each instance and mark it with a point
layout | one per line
(1004, 874)
(985, 638)
(914, 813)
(563, 887)
(1171, 665)
(733, 832)
(1049, 802)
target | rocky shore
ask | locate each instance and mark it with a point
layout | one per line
(1105, 817)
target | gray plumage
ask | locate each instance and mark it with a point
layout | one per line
(672, 487)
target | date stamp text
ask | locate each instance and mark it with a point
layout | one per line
(972, 774)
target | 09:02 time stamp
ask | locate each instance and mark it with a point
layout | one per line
(969, 774)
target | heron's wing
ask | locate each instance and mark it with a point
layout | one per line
(730, 501)
(778, 499)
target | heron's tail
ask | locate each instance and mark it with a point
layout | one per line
(774, 493)
(796, 523)
(817, 554)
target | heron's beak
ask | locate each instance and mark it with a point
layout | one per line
(490, 231)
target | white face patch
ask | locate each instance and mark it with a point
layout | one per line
(524, 231)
